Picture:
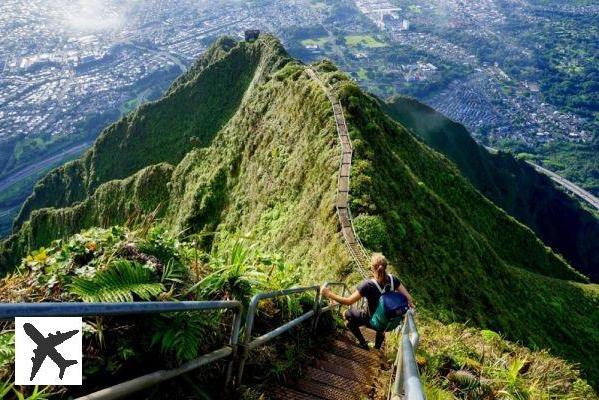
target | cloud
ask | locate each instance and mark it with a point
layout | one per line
(89, 16)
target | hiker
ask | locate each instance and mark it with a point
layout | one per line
(371, 290)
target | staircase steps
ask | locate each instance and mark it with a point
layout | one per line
(342, 371)
(280, 393)
(324, 391)
(355, 365)
(351, 351)
(344, 170)
(329, 378)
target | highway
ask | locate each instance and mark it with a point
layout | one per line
(4, 213)
(34, 168)
(566, 184)
(572, 187)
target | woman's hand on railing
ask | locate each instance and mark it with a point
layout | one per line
(326, 292)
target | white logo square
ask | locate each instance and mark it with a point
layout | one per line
(48, 351)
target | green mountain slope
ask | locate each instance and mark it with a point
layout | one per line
(511, 184)
(270, 173)
(192, 112)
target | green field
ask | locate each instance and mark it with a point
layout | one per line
(363, 40)
(320, 41)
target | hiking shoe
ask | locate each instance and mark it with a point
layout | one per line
(364, 345)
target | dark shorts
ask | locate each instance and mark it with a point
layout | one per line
(357, 317)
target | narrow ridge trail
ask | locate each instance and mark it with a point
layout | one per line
(354, 245)
(342, 370)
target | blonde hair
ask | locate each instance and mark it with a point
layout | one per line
(378, 263)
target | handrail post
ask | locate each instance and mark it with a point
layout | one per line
(247, 344)
(316, 309)
(244, 351)
(233, 341)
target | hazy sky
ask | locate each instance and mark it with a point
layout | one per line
(91, 15)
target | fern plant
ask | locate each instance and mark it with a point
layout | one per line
(182, 333)
(7, 348)
(118, 283)
(237, 276)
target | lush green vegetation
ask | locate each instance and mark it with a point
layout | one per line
(363, 40)
(150, 263)
(462, 256)
(461, 362)
(321, 41)
(511, 184)
(157, 132)
(270, 173)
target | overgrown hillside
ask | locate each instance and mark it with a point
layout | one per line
(461, 362)
(511, 184)
(190, 114)
(464, 258)
(269, 172)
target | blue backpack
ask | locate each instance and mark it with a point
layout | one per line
(390, 310)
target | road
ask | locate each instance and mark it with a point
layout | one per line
(566, 184)
(572, 187)
(34, 168)
(6, 212)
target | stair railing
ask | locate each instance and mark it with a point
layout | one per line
(126, 388)
(249, 344)
(406, 375)
(406, 379)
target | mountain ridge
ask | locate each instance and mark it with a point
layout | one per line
(270, 173)
(510, 183)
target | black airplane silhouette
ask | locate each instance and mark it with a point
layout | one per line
(46, 347)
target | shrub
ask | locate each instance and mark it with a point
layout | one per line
(372, 231)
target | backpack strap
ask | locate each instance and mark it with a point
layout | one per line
(379, 286)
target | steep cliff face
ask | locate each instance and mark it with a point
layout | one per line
(266, 167)
(511, 184)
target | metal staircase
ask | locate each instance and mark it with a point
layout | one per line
(357, 251)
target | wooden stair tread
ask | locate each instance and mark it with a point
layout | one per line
(343, 371)
(323, 391)
(285, 393)
(354, 365)
(329, 378)
(350, 350)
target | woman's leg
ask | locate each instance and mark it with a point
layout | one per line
(355, 319)
(378, 340)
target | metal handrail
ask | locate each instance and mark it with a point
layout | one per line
(406, 379)
(120, 390)
(249, 344)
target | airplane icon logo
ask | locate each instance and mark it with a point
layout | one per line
(46, 347)
(56, 339)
